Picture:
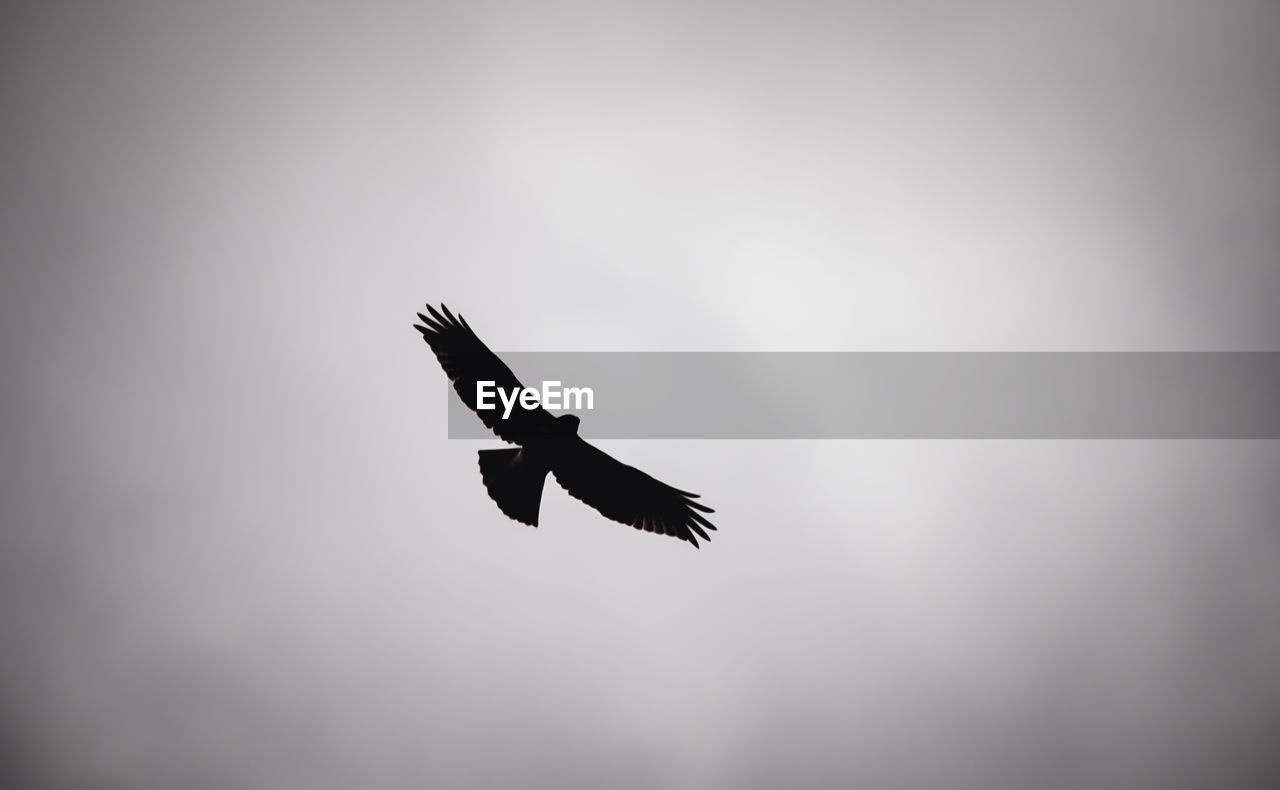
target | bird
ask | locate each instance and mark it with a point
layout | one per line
(514, 477)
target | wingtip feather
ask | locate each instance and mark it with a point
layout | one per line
(436, 315)
(699, 518)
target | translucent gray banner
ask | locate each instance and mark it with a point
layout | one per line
(1130, 395)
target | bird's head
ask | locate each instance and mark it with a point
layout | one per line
(567, 425)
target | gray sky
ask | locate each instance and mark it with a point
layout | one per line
(238, 551)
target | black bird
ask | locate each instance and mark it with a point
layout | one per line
(514, 477)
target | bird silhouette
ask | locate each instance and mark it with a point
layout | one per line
(514, 477)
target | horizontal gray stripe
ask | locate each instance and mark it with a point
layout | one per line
(730, 395)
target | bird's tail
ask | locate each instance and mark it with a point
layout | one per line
(514, 482)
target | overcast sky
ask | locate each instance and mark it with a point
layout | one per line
(238, 550)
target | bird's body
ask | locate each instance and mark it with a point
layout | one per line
(514, 478)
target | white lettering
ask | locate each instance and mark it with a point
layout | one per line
(508, 404)
(529, 398)
(551, 394)
(575, 394)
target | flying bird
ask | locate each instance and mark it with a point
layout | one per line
(514, 477)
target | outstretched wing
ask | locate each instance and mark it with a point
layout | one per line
(467, 361)
(624, 493)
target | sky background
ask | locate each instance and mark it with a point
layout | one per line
(238, 551)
